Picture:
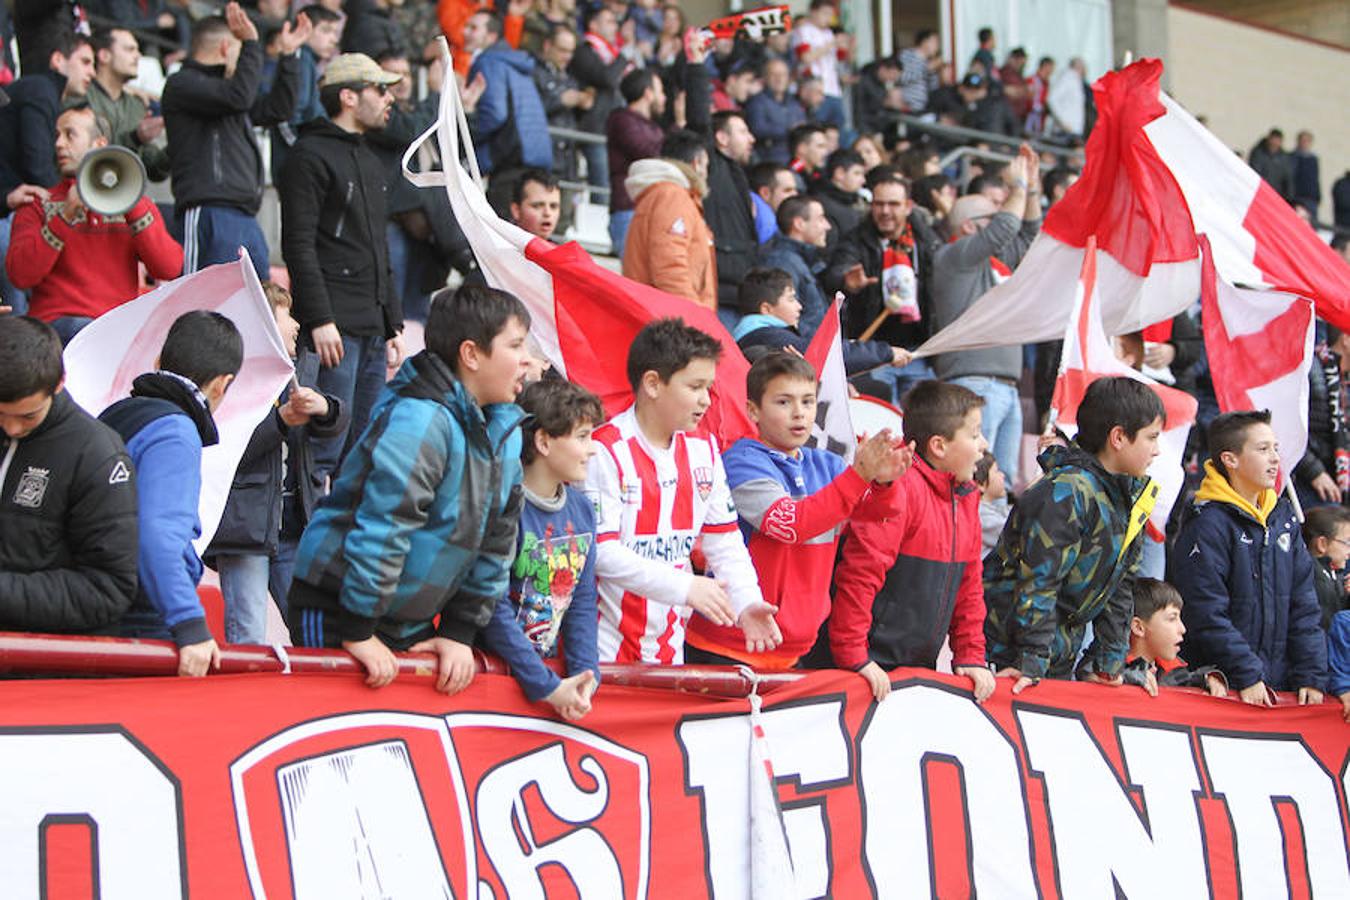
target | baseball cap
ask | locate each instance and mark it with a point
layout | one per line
(356, 68)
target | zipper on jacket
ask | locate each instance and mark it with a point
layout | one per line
(346, 205)
(216, 168)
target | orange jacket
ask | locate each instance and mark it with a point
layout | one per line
(669, 245)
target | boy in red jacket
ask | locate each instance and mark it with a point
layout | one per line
(793, 501)
(908, 581)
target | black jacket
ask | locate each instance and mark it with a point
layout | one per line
(863, 245)
(844, 210)
(68, 533)
(209, 121)
(373, 32)
(252, 518)
(727, 209)
(590, 71)
(1327, 432)
(333, 215)
(28, 132)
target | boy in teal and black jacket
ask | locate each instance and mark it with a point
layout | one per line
(421, 522)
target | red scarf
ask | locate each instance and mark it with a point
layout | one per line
(604, 49)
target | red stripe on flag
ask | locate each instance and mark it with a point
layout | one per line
(632, 626)
(649, 513)
(682, 515)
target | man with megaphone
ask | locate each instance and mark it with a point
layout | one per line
(79, 249)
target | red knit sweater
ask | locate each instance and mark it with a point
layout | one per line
(87, 267)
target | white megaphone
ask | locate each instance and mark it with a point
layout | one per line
(111, 179)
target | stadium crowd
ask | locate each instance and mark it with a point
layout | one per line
(466, 495)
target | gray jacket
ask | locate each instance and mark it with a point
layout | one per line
(961, 274)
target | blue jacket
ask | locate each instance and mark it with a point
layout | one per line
(422, 518)
(1251, 605)
(552, 594)
(509, 123)
(769, 121)
(165, 425)
(1338, 654)
(759, 330)
(804, 263)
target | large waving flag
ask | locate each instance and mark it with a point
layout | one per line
(106, 356)
(1154, 179)
(584, 316)
(1259, 345)
(1088, 356)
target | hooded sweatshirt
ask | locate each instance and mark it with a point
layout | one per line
(669, 245)
(1247, 579)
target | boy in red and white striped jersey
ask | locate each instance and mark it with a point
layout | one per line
(657, 487)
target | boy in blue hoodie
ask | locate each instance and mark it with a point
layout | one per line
(552, 594)
(1246, 576)
(413, 547)
(165, 423)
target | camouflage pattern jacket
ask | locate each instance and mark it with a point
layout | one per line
(1067, 557)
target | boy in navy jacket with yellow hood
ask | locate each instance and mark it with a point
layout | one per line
(1245, 574)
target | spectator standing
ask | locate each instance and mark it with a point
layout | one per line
(67, 496)
(166, 422)
(1038, 97)
(877, 97)
(669, 245)
(316, 52)
(737, 87)
(372, 29)
(1014, 80)
(770, 184)
(1307, 175)
(510, 127)
(117, 59)
(210, 107)
(773, 113)
(1269, 160)
(799, 250)
(840, 193)
(809, 150)
(562, 97)
(632, 133)
(27, 134)
(1340, 201)
(728, 209)
(883, 265)
(542, 21)
(80, 264)
(333, 218)
(919, 66)
(988, 243)
(598, 66)
(819, 50)
(984, 110)
(984, 54)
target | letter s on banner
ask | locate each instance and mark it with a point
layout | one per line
(105, 776)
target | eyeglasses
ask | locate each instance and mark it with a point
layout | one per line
(380, 89)
(1342, 541)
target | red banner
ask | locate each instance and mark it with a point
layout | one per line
(285, 786)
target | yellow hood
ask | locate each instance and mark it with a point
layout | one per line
(1216, 487)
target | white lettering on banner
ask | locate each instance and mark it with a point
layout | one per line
(104, 777)
(667, 549)
(810, 746)
(365, 798)
(1100, 840)
(504, 823)
(896, 835)
(1251, 774)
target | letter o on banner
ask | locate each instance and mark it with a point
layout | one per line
(891, 754)
(106, 779)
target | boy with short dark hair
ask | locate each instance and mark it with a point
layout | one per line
(657, 486)
(1155, 642)
(1251, 603)
(421, 522)
(793, 503)
(994, 510)
(552, 588)
(905, 583)
(1326, 530)
(768, 300)
(1070, 552)
(166, 422)
(67, 496)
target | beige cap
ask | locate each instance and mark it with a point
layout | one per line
(356, 68)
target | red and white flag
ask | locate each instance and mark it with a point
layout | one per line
(1088, 355)
(833, 428)
(1260, 345)
(1154, 179)
(111, 351)
(584, 316)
